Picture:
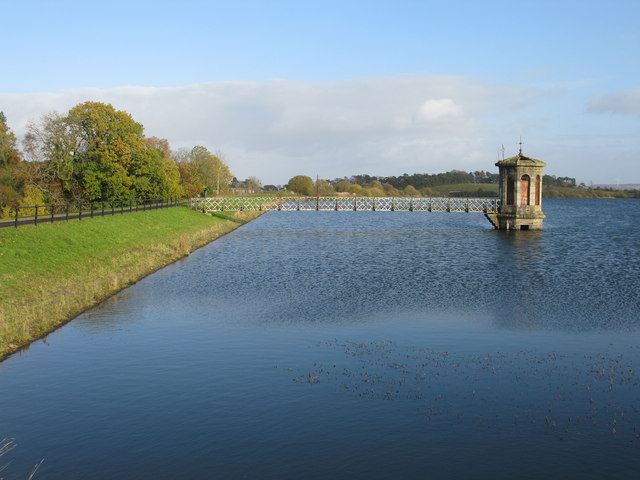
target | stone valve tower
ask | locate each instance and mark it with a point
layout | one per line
(520, 194)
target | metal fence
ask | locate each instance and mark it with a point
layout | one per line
(35, 214)
(379, 204)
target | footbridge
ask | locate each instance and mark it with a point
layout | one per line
(356, 204)
(518, 206)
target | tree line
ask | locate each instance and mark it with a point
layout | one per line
(408, 185)
(97, 153)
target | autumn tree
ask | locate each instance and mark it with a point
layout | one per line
(253, 184)
(324, 188)
(373, 192)
(342, 186)
(10, 160)
(355, 189)
(96, 152)
(411, 191)
(301, 184)
(9, 154)
(213, 172)
(168, 167)
(190, 180)
(389, 190)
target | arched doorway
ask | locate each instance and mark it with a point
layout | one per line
(525, 190)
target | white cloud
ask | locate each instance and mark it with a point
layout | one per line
(441, 109)
(625, 102)
(280, 128)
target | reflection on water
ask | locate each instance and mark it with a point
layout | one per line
(519, 296)
(353, 345)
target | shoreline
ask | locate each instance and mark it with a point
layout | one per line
(55, 298)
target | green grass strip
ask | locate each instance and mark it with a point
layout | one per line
(52, 272)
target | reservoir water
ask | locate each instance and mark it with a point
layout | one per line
(373, 345)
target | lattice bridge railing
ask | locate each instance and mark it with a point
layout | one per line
(358, 204)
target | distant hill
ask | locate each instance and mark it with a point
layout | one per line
(491, 190)
(621, 186)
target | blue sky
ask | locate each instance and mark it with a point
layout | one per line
(340, 88)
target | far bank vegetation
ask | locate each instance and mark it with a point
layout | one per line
(455, 183)
(96, 153)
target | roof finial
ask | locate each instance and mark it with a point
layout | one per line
(520, 142)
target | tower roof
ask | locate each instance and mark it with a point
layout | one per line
(521, 160)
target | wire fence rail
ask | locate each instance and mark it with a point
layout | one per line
(375, 204)
(53, 212)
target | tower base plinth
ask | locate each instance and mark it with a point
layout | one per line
(513, 222)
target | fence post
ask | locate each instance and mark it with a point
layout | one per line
(17, 214)
(67, 212)
(121, 207)
(80, 211)
(52, 211)
(91, 209)
(35, 219)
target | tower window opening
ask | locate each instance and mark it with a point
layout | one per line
(510, 190)
(525, 190)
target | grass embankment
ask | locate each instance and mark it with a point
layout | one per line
(568, 192)
(52, 272)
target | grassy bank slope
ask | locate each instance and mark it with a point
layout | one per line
(52, 272)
